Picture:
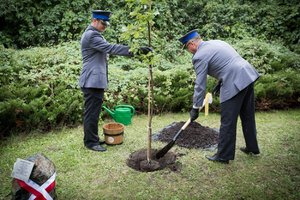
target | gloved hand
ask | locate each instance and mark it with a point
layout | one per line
(194, 114)
(144, 50)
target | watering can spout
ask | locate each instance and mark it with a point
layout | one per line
(121, 113)
(111, 113)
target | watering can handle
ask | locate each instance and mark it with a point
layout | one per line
(126, 106)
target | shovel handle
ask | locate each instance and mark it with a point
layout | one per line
(182, 128)
(186, 124)
(164, 150)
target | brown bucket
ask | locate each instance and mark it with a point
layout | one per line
(113, 133)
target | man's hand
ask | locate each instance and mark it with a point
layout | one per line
(194, 114)
(144, 50)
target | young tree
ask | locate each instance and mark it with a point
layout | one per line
(137, 33)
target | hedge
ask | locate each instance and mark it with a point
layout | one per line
(39, 86)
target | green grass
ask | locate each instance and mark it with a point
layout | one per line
(84, 174)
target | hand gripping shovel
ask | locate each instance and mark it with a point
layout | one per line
(165, 150)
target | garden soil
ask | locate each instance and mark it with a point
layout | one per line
(138, 161)
(194, 136)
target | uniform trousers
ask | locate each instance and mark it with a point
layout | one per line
(93, 99)
(242, 105)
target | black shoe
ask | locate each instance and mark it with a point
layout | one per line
(97, 148)
(217, 159)
(101, 142)
(246, 151)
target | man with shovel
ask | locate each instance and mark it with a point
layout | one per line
(94, 75)
(236, 76)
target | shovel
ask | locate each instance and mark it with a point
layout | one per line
(165, 150)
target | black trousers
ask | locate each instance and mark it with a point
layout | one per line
(242, 105)
(93, 99)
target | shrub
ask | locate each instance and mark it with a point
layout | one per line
(268, 58)
(278, 90)
(39, 86)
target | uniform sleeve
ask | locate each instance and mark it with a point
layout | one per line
(201, 68)
(99, 43)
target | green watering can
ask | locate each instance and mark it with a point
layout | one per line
(121, 113)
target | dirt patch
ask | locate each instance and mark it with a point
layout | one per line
(194, 136)
(138, 161)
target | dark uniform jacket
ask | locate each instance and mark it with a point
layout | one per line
(219, 60)
(95, 50)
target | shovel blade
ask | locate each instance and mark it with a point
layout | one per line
(165, 150)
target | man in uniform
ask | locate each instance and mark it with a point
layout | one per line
(94, 75)
(219, 60)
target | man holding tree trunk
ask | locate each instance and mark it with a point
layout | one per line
(94, 75)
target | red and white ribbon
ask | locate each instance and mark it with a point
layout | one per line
(38, 192)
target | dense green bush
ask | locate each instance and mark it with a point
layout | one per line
(39, 87)
(35, 23)
(268, 58)
(278, 90)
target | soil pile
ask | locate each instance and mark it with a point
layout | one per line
(194, 136)
(138, 161)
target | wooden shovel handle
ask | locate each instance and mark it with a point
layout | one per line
(186, 124)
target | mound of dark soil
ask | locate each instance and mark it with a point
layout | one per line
(138, 161)
(194, 136)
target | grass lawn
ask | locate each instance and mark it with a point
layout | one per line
(84, 174)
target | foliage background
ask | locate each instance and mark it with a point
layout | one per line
(40, 58)
(38, 23)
